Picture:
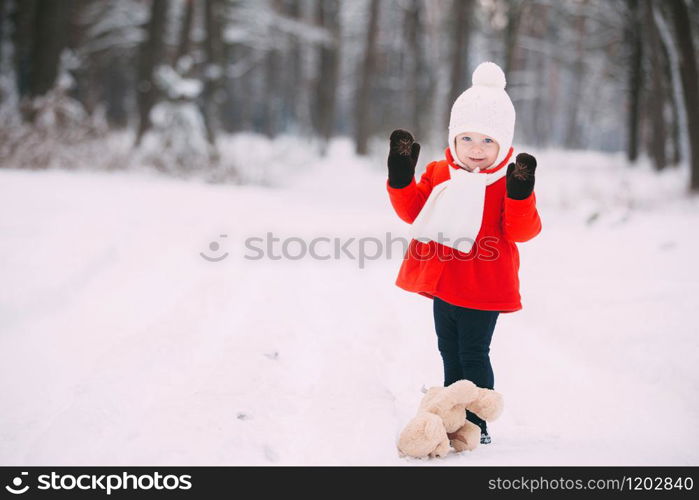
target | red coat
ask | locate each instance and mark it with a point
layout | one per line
(487, 277)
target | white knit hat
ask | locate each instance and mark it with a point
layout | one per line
(484, 108)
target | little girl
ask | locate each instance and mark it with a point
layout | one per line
(467, 212)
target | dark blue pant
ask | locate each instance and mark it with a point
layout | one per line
(463, 338)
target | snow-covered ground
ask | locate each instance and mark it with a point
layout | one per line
(120, 344)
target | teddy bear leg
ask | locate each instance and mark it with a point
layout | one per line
(443, 449)
(466, 438)
(488, 406)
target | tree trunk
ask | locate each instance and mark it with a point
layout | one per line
(292, 89)
(688, 75)
(670, 95)
(115, 92)
(514, 16)
(417, 72)
(541, 124)
(658, 134)
(572, 139)
(327, 16)
(50, 37)
(461, 14)
(272, 100)
(4, 5)
(674, 124)
(150, 54)
(184, 43)
(22, 30)
(363, 119)
(635, 79)
(241, 90)
(213, 46)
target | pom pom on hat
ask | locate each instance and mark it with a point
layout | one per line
(489, 74)
(484, 108)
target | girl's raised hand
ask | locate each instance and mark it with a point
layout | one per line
(402, 158)
(520, 177)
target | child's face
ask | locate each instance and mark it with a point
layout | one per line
(476, 150)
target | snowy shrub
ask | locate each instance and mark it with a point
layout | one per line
(177, 141)
(57, 132)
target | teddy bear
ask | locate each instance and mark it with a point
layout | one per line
(441, 422)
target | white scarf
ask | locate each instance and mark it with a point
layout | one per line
(453, 212)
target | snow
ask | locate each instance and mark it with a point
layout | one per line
(121, 345)
(175, 86)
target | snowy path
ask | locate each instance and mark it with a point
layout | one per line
(119, 344)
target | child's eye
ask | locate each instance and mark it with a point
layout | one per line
(488, 140)
(465, 138)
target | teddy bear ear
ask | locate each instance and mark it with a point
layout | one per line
(488, 405)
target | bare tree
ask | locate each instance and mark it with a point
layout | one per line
(514, 16)
(541, 117)
(40, 34)
(461, 25)
(22, 34)
(105, 38)
(635, 80)
(3, 17)
(272, 97)
(417, 71)
(292, 85)
(327, 17)
(184, 45)
(681, 16)
(213, 72)
(671, 77)
(656, 105)
(572, 138)
(50, 30)
(151, 54)
(362, 118)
